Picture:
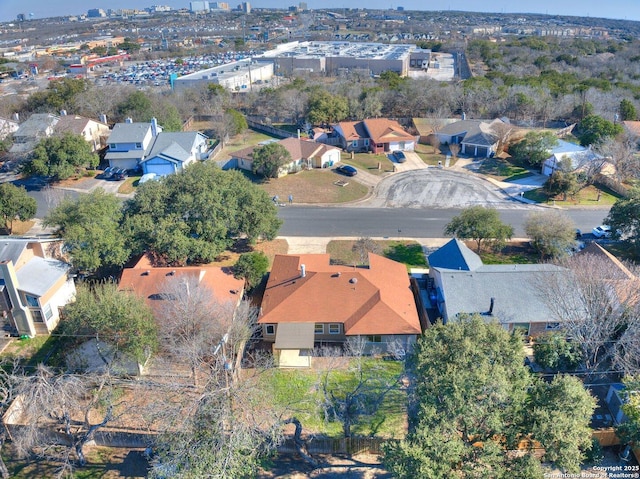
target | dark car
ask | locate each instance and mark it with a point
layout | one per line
(108, 172)
(120, 175)
(347, 170)
(399, 156)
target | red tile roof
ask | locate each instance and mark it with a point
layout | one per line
(148, 281)
(374, 300)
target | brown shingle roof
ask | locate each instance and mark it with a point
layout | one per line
(383, 130)
(148, 281)
(353, 130)
(373, 300)
(298, 149)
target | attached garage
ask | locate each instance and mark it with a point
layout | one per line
(160, 166)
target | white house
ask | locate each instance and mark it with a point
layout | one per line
(93, 132)
(578, 156)
(172, 152)
(304, 154)
(129, 142)
(38, 127)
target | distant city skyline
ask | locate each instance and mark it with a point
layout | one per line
(616, 9)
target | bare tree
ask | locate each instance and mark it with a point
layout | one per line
(56, 414)
(621, 152)
(194, 324)
(588, 297)
(363, 246)
(434, 141)
(503, 132)
(454, 148)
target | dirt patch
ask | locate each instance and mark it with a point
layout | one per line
(361, 466)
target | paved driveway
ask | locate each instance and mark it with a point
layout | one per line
(414, 162)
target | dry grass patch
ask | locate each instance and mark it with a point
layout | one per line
(129, 185)
(21, 227)
(408, 252)
(315, 186)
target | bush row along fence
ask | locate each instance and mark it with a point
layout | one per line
(327, 445)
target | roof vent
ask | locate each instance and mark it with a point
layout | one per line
(171, 273)
(353, 280)
(145, 273)
(303, 271)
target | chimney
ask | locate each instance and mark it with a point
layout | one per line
(16, 117)
(491, 305)
(154, 126)
(21, 314)
(103, 118)
(128, 120)
(464, 116)
(303, 271)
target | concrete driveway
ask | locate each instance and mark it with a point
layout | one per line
(413, 162)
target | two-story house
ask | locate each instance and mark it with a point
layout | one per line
(94, 132)
(129, 142)
(34, 286)
(172, 152)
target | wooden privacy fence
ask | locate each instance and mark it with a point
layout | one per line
(327, 445)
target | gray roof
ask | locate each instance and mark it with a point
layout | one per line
(124, 155)
(476, 132)
(517, 299)
(177, 145)
(129, 132)
(36, 125)
(454, 255)
(295, 336)
(11, 249)
(39, 275)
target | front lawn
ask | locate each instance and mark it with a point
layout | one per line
(315, 186)
(129, 185)
(503, 169)
(588, 196)
(409, 253)
(300, 391)
(269, 248)
(369, 162)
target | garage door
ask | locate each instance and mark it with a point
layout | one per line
(161, 169)
(481, 152)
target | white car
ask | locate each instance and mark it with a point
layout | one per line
(602, 231)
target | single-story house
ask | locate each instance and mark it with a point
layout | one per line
(580, 157)
(129, 142)
(94, 132)
(36, 128)
(309, 302)
(148, 281)
(506, 293)
(34, 286)
(304, 154)
(377, 135)
(475, 137)
(172, 152)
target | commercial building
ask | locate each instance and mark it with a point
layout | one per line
(236, 76)
(334, 57)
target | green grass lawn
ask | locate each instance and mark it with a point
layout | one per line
(129, 185)
(503, 169)
(300, 391)
(369, 162)
(407, 252)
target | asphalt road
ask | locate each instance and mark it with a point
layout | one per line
(400, 222)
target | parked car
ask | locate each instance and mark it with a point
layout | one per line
(148, 177)
(120, 175)
(108, 172)
(399, 156)
(347, 170)
(602, 231)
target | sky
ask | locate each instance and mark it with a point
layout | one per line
(620, 9)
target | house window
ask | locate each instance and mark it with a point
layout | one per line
(522, 328)
(401, 145)
(552, 326)
(354, 143)
(112, 146)
(270, 329)
(374, 339)
(319, 328)
(334, 328)
(47, 312)
(32, 301)
(36, 314)
(366, 142)
(138, 145)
